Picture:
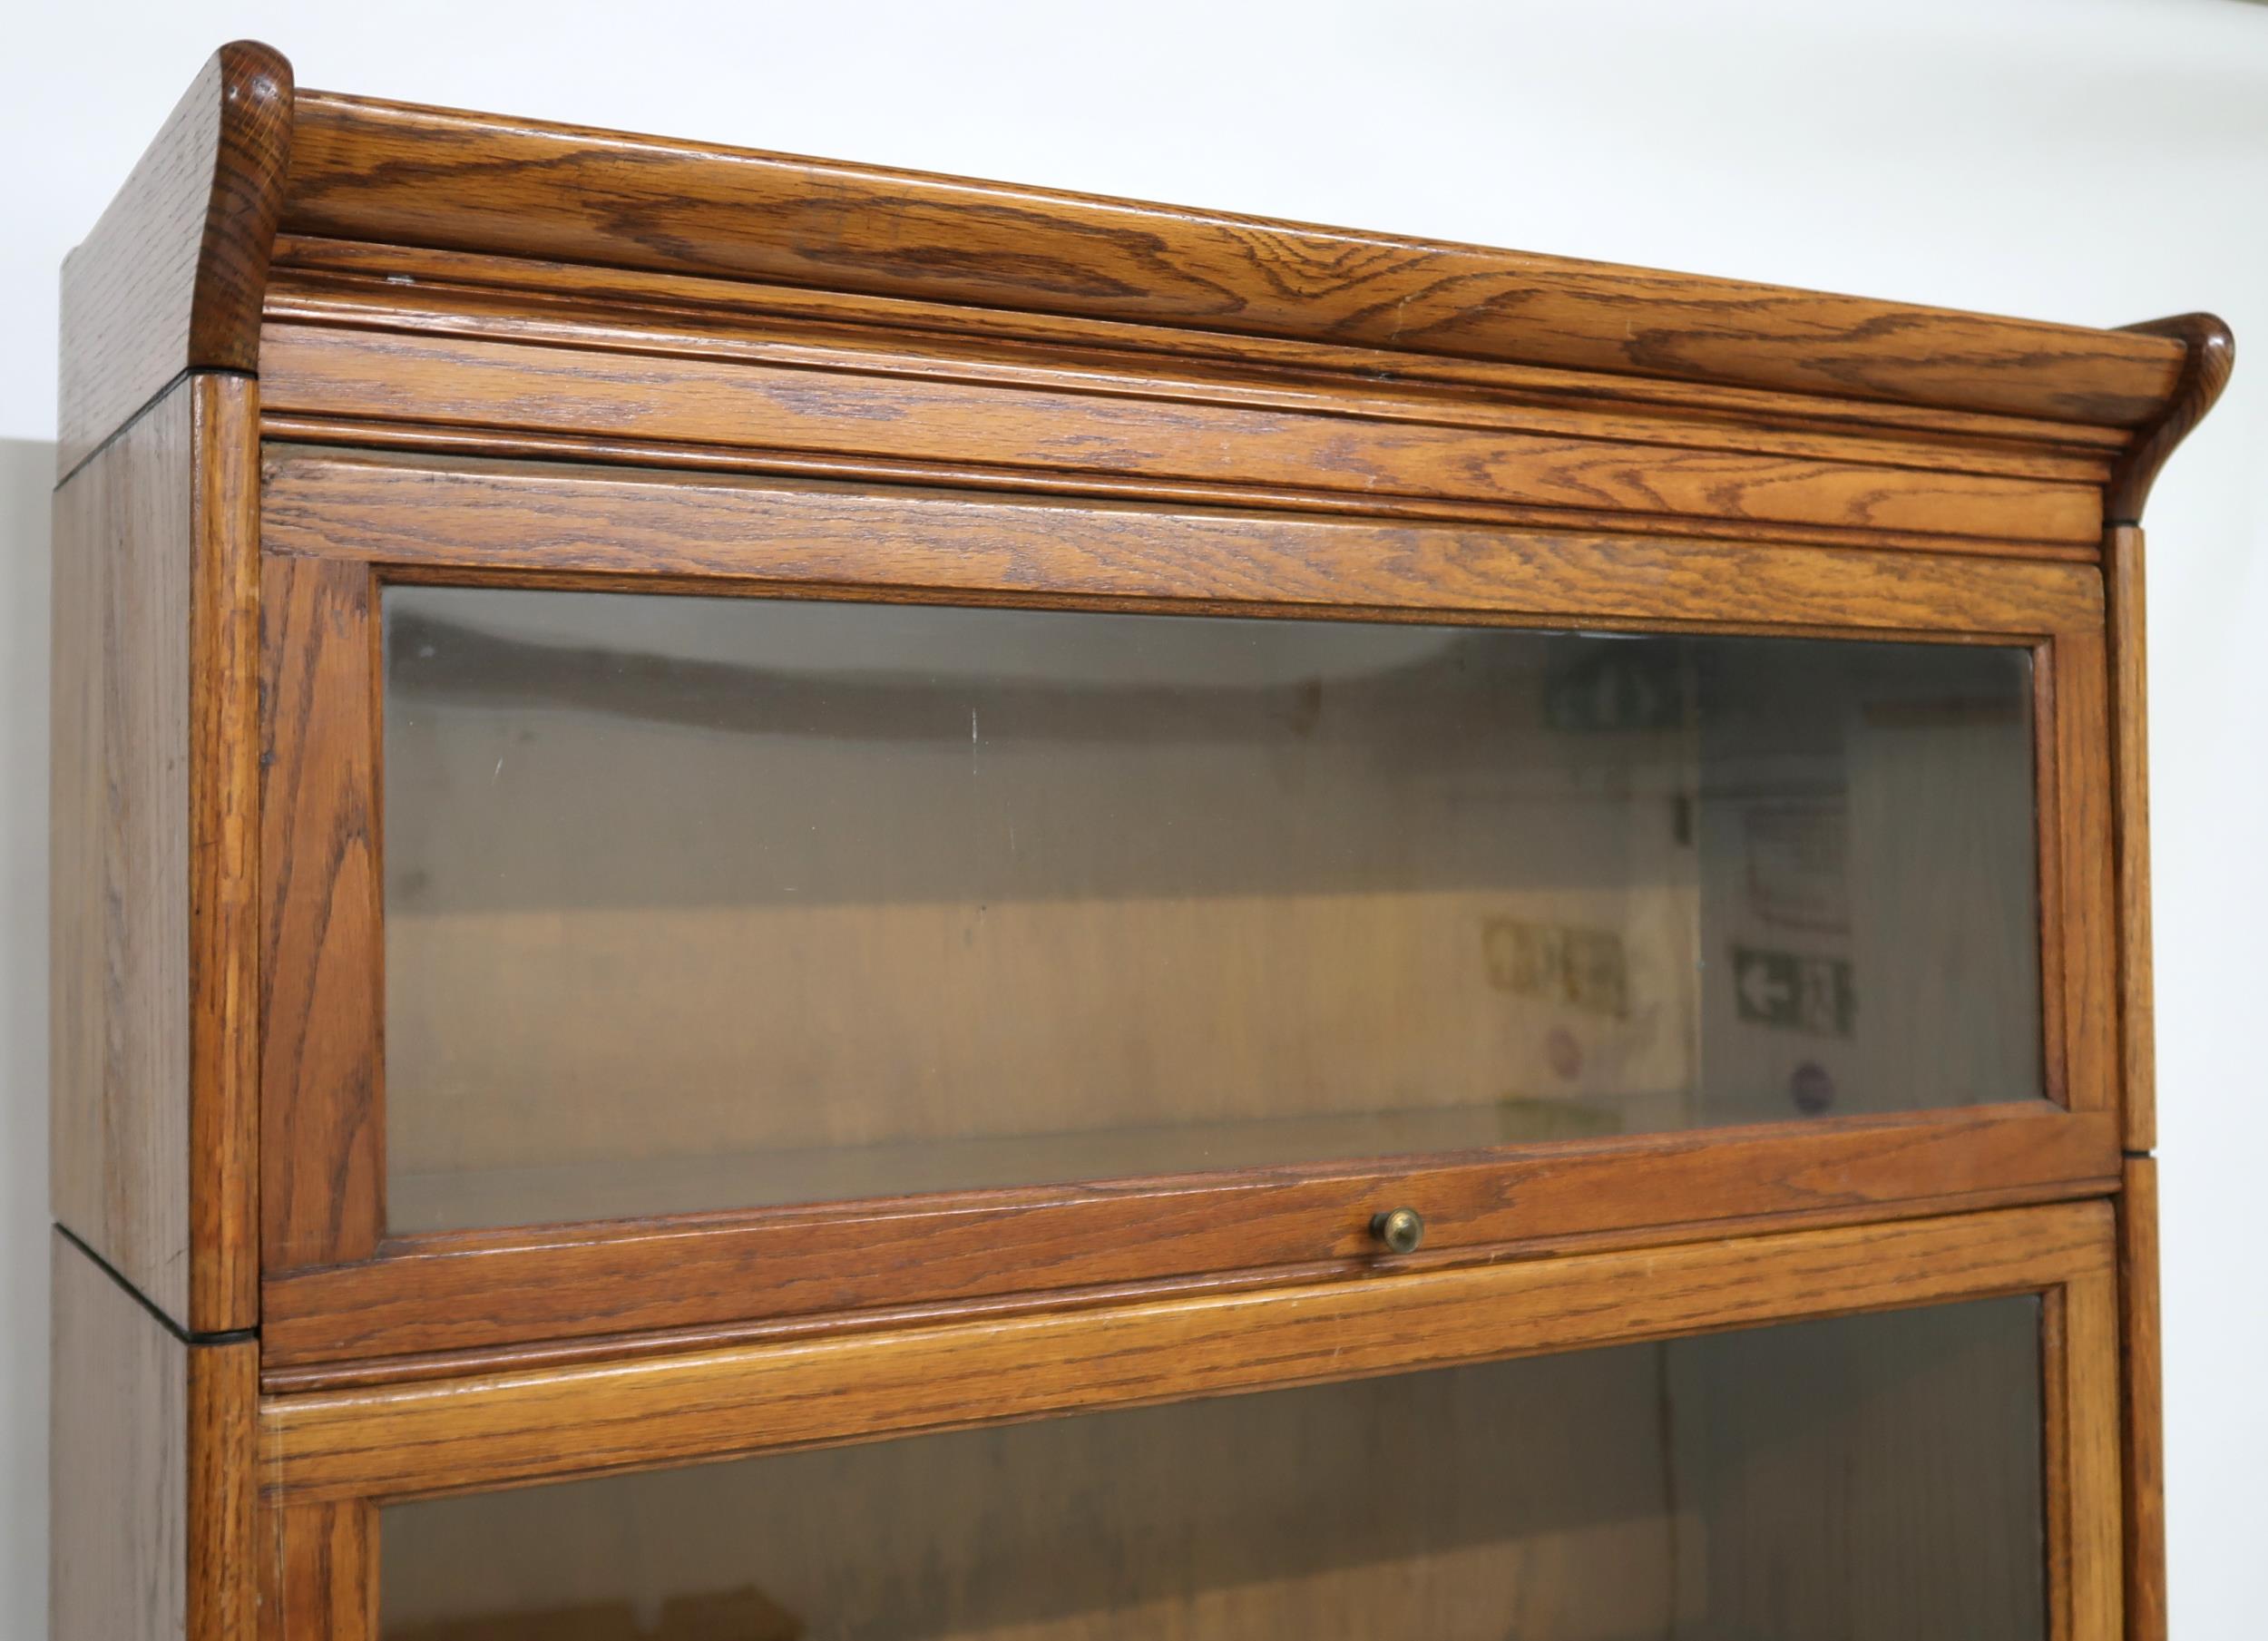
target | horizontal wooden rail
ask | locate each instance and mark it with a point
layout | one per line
(499, 1429)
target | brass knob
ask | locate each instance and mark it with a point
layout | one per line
(1401, 1229)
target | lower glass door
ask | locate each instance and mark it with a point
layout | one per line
(1875, 1478)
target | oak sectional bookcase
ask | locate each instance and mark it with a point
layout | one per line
(794, 901)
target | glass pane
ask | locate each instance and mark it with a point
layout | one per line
(1875, 1479)
(703, 903)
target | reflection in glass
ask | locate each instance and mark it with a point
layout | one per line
(699, 903)
(1875, 1479)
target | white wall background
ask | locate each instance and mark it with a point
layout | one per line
(2094, 161)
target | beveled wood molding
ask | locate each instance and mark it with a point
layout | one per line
(173, 275)
(448, 1291)
(503, 1427)
(392, 172)
(402, 220)
(2208, 356)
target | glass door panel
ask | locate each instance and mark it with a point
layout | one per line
(697, 904)
(1870, 1479)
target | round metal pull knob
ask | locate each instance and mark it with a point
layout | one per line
(1401, 1229)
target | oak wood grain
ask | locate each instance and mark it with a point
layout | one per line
(171, 279)
(1344, 443)
(488, 1430)
(284, 1378)
(2142, 1402)
(1373, 387)
(1869, 1477)
(434, 439)
(223, 835)
(322, 1007)
(118, 1097)
(2084, 920)
(2086, 1531)
(462, 1290)
(430, 513)
(150, 1483)
(410, 287)
(318, 1573)
(151, 949)
(372, 171)
(2123, 557)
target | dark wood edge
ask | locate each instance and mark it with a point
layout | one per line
(173, 275)
(500, 1429)
(449, 179)
(247, 202)
(2208, 356)
(468, 1290)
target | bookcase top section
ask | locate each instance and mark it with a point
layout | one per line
(250, 171)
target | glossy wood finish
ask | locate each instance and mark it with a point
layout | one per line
(442, 294)
(331, 520)
(453, 1291)
(155, 975)
(1221, 438)
(485, 1430)
(787, 535)
(372, 171)
(501, 353)
(2208, 356)
(150, 1484)
(173, 278)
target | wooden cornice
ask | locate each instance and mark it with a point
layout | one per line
(623, 235)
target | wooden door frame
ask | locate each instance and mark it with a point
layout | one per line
(328, 1459)
(340, 526)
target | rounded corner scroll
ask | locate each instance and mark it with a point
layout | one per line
(252, 159)
(2209, 355)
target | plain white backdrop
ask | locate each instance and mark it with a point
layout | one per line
(2098, 161)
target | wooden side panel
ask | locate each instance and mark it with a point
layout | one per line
(2130, 814)
(171, 278)
(151, 1489)
(2145, 1399)
(119, 864)
(152, 941)
(324, 1003)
